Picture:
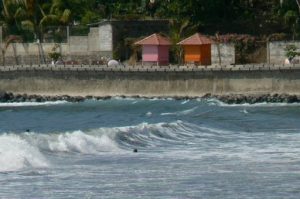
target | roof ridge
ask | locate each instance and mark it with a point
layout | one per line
(145, 38)
(194, 39)
(156, 39)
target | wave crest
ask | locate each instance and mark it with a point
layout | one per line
(20, 151)
(16, 153)
(81, 142)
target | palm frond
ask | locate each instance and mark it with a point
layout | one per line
(20, 14)
(8, 4)
(42, 11)
(27, 25)
(49, 20)
(55, 6)
(184, 25)
(65, 18)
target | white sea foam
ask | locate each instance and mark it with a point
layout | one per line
(244, 111)
(124, 98)
(21, 151)
(16, 154)
(215, 102)
(154, 99)
(184, 112)
(20, 104)
(185, 101)
(81, 142)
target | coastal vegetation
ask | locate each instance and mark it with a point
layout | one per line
(247, 23)
(30, 18)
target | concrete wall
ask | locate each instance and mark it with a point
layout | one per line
(104, 40)
(78, 44)
(227, 54)
(276, 52)
(31, 53)
(79, 49)
(185, 83)
(93, 39)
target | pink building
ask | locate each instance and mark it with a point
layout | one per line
(155, 49)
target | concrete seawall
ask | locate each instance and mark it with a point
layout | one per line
(103, 81)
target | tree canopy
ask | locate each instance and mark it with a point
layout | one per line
(256, 17)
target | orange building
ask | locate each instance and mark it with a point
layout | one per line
(197, 49)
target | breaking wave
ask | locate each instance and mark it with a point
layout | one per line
(26, 150)
(16, 153)
(32, 150)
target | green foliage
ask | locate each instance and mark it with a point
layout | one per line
(54, 54)
(90, 17)
(291, 52)
(256, 17)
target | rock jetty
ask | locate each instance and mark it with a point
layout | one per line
(8, 97)
(252, 99)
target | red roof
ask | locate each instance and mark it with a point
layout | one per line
(154, 39)
(196, 39)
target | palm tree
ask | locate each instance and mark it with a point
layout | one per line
(178, 30)
(33, 18)
(10, 8)
(11, 39)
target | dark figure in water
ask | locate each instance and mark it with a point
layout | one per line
(135, 150)
(27, 130)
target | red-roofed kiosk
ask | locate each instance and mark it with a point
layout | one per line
(155, 49)
(197, 49)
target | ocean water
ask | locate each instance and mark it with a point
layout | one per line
(186, 149)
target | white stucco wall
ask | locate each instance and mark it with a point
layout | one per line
(276, 52)
(227, 52)
(105, 37)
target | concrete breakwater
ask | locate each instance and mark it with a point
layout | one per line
(102, 81)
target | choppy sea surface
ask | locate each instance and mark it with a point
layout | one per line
(186, 149)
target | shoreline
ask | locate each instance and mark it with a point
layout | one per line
(9, 97)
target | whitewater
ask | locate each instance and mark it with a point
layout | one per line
(185, 149)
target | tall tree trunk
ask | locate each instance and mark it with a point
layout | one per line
(298, 3)
(15, 53)
(41, 54)
(218, 48)
(3, 57)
